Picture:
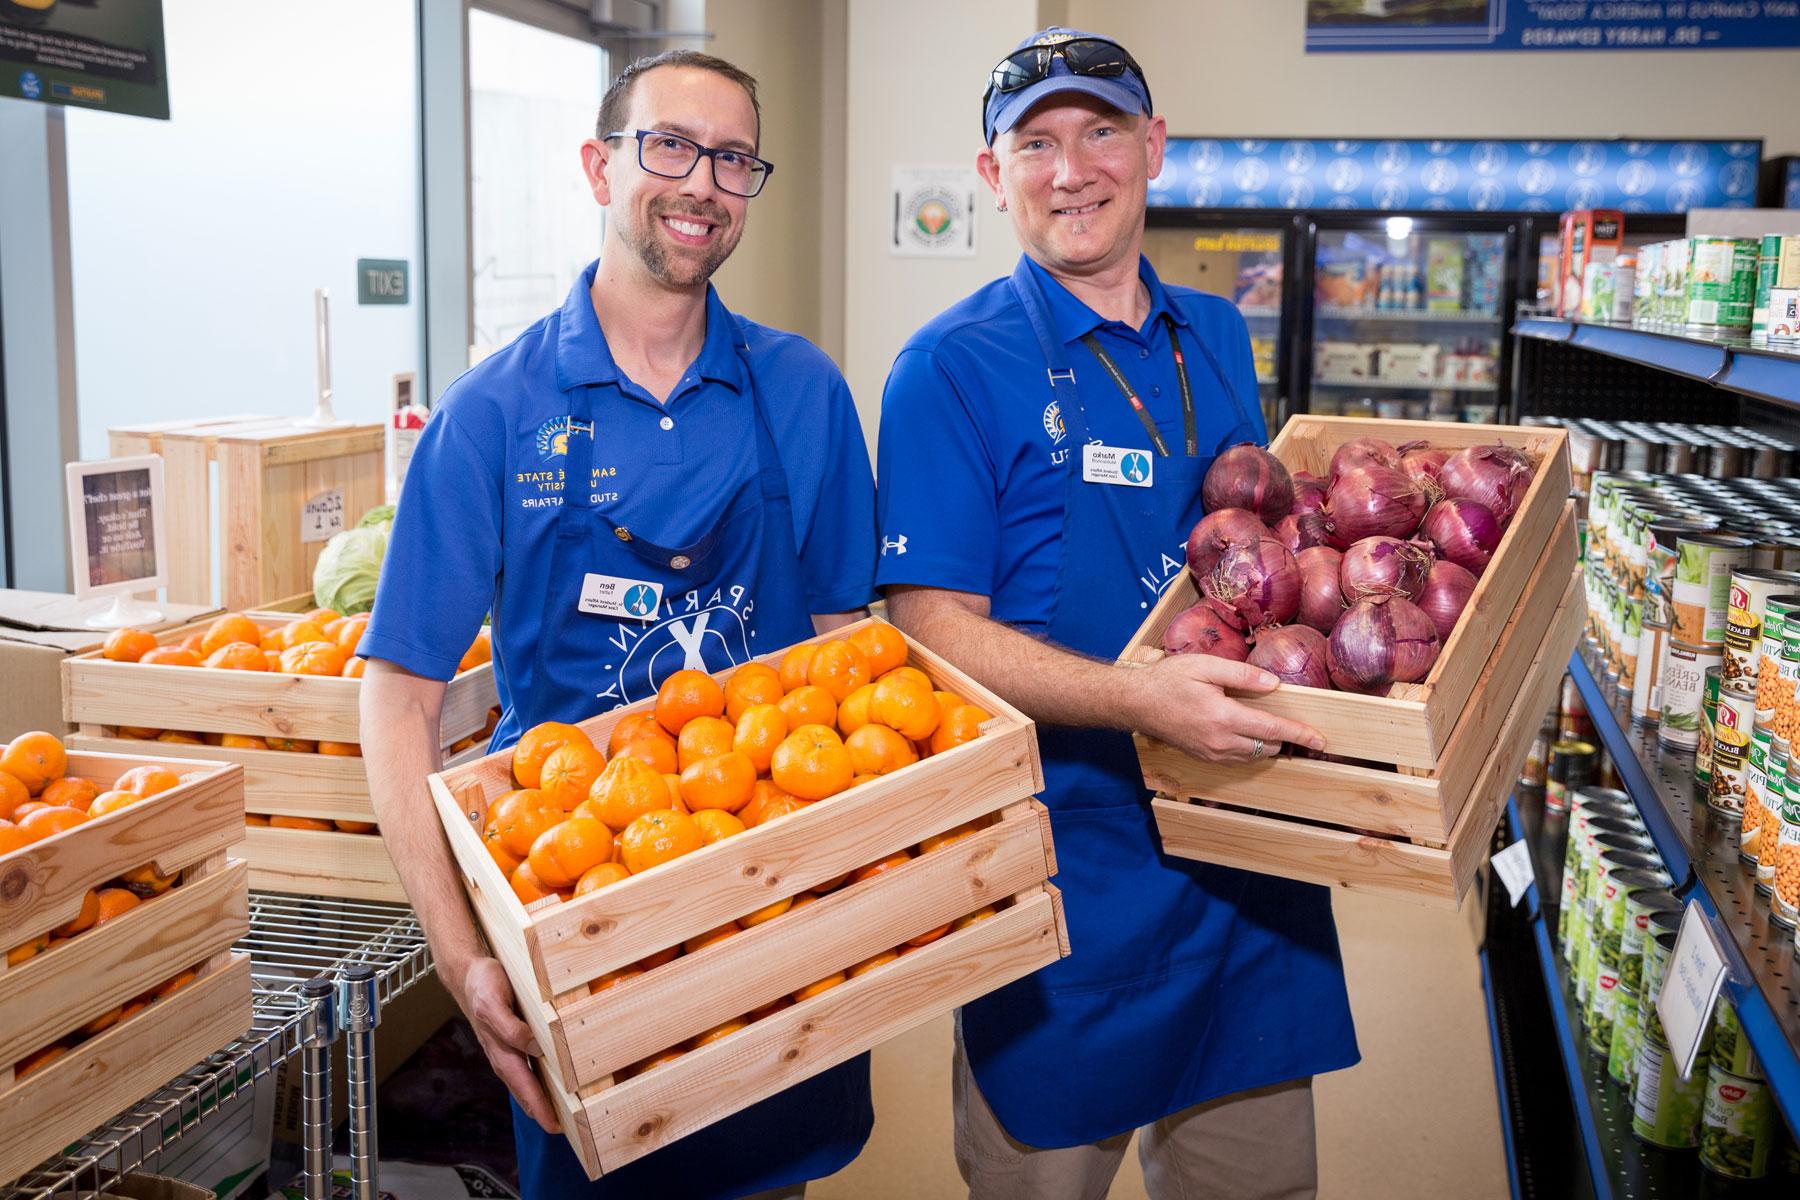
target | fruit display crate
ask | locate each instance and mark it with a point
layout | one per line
(255, 479)
(185, 832)
(1412, 726)
(1332, 823)
(553, 949)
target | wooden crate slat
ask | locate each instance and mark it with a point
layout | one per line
(308, 862)
(652, 1110)
(112, 1071)
(632, 1020)
(42, 885)
(59, 990)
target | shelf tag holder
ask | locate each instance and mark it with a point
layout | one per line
(1513, 866)
(1690, 989)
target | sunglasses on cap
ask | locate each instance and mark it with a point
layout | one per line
(1084, 56)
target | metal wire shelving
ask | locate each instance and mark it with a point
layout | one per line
(292, 939)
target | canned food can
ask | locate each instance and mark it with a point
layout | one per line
(1785, 713)
(1737, 1124)
(1658, 949)
(1600, 1007)
(1733, 722)
(1777, 265)
(1531, 774)
(1628, 657)
(1621, 1056)
(1661, 554)
(1600, 954)
(1702, 589)
(1609, 959)
(1639, 907)
(1683, 683)
(1784, 899)
(1588, 805)
(1572, 717)
(1583, 935)
(1774, 693)
(1646, 687)
(1768, 838)
(1571, 767)
(1721, 282)
(1709, 708)
(1666, 1109)
(1756, 791)
(1749, 597)
(1731, 1050)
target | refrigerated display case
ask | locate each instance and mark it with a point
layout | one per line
(1407, 317)
(1248, 264)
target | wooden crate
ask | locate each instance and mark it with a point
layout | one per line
(186, 832)
(1413, 724)
(1344, 853)
(98, 692)
(554, 948)
(266, 469)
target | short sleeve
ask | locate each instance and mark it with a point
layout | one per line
(837, 546)
(443, 559)
(935, 483)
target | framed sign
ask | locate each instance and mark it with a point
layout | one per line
(116, 536)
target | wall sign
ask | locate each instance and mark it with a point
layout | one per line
(934, 212)
(106, 56)
(380, 280)
(1482, 175)
(116, 533)
(1414, 25)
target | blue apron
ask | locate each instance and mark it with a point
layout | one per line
(1187, 981)
(819, 1125)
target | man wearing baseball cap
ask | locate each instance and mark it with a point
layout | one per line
(1042, 448)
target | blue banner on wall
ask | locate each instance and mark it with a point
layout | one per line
(1375, 25)
(1457, 176)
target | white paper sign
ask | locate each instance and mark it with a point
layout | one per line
(934, 212)
(116, 525)
(1117, 465)
(1690, 988)
(322, 517)
(615, 596)
(1513, 866)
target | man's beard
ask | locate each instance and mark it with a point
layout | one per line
(654, 252)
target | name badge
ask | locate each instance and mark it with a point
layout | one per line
(613, 596)
(1116, 465)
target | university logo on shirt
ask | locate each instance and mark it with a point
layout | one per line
(553, 436)
(1053, 422)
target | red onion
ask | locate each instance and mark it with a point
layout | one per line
(1380, 641)
(1421, 464)
(1218, 532)
(1200, 630)
(1309, 492)
(1373, 502)
(1496, 477)
(1248, 477)
(1297, 531)
(1363, 452)
(1384, 566)
(1254, 586)
(1321, 596)
(1294, 654)
(1463, 531)
(1447, 592)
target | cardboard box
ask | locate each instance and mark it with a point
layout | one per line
(1588, 236)
(37, 631)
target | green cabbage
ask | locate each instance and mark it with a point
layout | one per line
(348, 568)
(381, 514)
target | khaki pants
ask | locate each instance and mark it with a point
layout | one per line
(1257, 1144)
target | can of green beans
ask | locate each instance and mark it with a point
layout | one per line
(1737, 1124)
(1666, 1108)
(1595, 960)
(1730, 1048)
(1621, 817)
(1622, 1055)
(1657, 951)
(1640, 906)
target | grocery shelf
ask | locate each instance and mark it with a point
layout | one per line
(1465, 316)
(1701, 852)
(291, 939)
(1734, 362)
(1259, 312)
(1368, 383)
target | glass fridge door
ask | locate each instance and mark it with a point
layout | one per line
(1243, 265)
(1407, 322)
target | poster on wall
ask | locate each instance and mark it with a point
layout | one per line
(934, 212)
(1436, 25)
(106, 56)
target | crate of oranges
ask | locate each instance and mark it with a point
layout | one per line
(119, 907)
(704, 898)
(276, 693)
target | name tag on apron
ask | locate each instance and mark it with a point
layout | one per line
(613, 596)
(1116, 465)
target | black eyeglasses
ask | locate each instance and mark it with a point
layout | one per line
(674, 157)
(1085, 56)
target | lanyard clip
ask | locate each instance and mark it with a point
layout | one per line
(1067, 373)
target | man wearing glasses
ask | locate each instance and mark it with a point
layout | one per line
(1042, 448)
(641, 482)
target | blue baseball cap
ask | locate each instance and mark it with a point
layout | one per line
(1126, 91)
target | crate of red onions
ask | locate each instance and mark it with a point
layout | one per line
(1412, 583)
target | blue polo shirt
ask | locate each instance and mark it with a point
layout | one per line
(478, 513)
(974, 456)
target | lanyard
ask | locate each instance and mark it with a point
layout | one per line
(1137, 406)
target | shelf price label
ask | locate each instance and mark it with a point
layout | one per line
(1513, 866)
(1690, 987)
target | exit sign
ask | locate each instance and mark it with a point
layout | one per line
(381, 281)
